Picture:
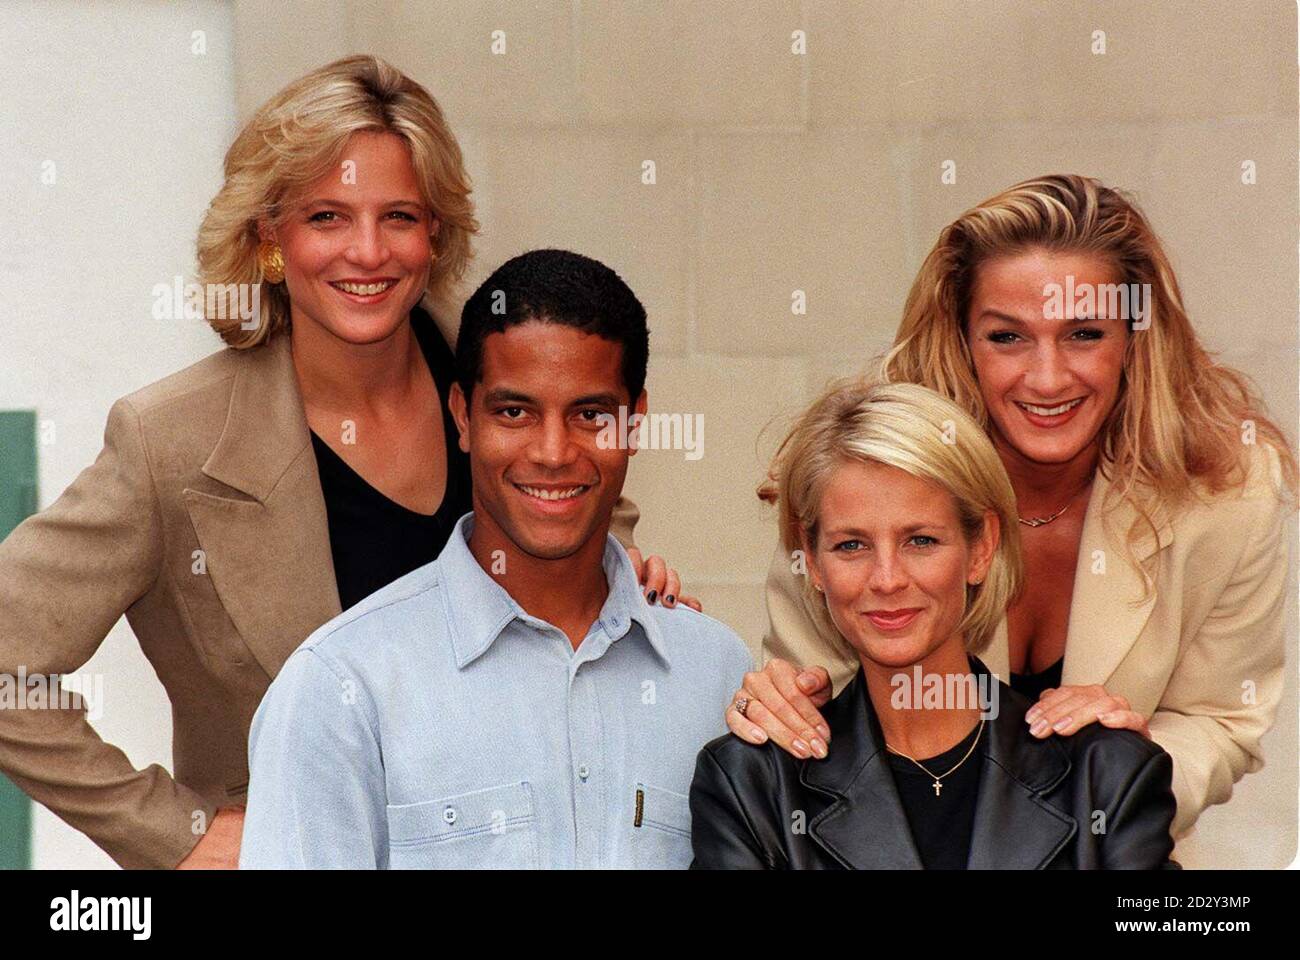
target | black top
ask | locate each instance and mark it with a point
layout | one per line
(941, 824)
(1032, 685)
(373, 539)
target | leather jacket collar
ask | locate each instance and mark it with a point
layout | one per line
(856, 777)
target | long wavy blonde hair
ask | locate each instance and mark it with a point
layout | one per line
(297, 137)
(1176, 430)
(902, 425)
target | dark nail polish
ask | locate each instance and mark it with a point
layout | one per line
(650, 597)
(670, 599)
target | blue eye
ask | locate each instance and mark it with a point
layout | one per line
(1000, 336)
(847, 546)
(929, 541)
(317, 217)
(1089, 333)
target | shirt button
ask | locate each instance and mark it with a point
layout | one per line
(449, 815)
(583, 773)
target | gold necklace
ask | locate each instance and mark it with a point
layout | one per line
(1039, 521)
(938, 777)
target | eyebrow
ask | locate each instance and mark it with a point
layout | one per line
(502, 395)
(342, 205)
(598, 400)
(506, 395)
(856, 532)
(1016, 321)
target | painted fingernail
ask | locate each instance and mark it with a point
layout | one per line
(650, 597)
(824, 730)
(1062, 723)
(669, 600)
(1039, 728)
(760, 734)
(800, 749)
(818, 749)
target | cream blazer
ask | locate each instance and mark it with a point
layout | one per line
(1202, 657)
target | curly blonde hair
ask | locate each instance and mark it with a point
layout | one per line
(293, 140)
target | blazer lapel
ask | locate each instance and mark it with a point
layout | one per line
(1014, 829)
(268, 556)
(1106, 611)
(856, 780)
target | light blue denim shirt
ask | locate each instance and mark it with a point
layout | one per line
(436, 724)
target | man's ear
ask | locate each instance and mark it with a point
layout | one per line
(634, 426)
(460, 413)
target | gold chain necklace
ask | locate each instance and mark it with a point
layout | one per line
(938, 777)
(1039, 521)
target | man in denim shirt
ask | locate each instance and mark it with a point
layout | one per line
(517, 702)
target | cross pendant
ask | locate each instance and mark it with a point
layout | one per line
(937, 787)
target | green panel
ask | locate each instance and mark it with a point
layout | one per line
(17, 502)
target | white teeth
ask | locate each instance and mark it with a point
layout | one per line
(552, 494)
(1050, 411)
(365, 289)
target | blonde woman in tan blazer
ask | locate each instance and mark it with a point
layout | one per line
(228, 513)
(1152, 493)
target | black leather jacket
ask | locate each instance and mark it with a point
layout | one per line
(1037, 806)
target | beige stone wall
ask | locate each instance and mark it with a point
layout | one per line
(821, 172)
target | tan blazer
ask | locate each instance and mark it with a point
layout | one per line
(1202, 657)
(203, 521)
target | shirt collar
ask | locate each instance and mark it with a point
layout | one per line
(479, 608)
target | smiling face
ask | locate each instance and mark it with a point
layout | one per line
(1048, 384)
(893, 563)
(356, 255)
(542, 480)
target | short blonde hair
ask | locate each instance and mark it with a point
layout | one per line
(906, 426)
(298, 136)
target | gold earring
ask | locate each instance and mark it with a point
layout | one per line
(271, 260)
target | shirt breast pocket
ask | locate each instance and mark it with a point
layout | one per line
(661, 834)
(490, 829)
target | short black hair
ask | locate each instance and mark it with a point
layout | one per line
(554, 286)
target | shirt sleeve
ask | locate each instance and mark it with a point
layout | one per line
(1224, 693)
(67, 575)
(316, 792)
(1137, 836)
(721, 835)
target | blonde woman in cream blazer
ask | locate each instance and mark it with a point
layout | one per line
(1153, 495)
